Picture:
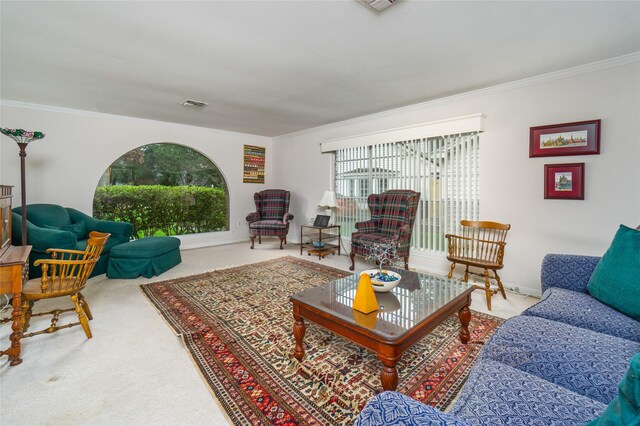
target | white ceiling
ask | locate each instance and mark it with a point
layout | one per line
(275, 67)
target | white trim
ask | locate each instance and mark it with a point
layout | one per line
(187, 243)
(450, 126)
(525, 82)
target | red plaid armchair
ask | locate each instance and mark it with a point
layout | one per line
(392, 216)
(271, 217)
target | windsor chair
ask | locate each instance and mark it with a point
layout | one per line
(481, 245)
(65, 274)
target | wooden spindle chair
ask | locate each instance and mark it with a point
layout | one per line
(65, 274)
(481, 245)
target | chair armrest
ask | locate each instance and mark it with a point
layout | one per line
(366, 226)
(121, 231)
(403, 231)
(253, 217)
(39, 262)
(57, 250)
(287, 217)
(571, 272)
(393, 408)
(41, 238)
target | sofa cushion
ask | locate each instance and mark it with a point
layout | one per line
(496, 394)
(393, 408)
(268, 224)
(582, 310)
(616, 279)
(46, 214)
(583, 361)
(568, 271)
(78, 229)
(625, 409)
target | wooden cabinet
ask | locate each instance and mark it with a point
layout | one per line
(14, 268)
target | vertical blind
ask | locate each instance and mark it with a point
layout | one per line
(444, 169)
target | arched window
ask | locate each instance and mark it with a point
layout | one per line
(164, 189)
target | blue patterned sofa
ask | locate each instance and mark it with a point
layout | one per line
(559, 363)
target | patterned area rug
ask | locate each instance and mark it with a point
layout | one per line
(237, 324)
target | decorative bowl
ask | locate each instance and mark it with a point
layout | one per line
(383, 284)
(318, 244)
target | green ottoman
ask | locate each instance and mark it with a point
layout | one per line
(147, 257)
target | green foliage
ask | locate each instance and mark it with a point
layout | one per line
(168, 210)
(163, 164)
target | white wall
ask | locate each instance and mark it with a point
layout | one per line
(511, 183)
(65, 166)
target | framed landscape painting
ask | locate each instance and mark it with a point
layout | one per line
(564, 181)
(579, 138)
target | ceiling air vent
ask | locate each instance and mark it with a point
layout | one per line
(192, 103)
(379, 5)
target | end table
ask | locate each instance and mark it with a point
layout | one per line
(320, 240)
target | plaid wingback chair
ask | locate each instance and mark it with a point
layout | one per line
(392, 216)
(271, 217)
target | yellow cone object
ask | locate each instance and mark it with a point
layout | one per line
(366, 320)
(365, 300)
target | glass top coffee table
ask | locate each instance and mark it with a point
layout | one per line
(416, 306)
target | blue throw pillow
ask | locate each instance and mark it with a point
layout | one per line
(624, 410)
(78, 229)
(616, 279)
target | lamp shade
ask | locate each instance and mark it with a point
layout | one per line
(328, 200)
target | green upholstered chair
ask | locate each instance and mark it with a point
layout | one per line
(54, 226)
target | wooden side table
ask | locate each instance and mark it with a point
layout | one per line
(14, 268)
(325, 236)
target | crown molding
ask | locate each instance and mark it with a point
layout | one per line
(499, 88)
(104, 115)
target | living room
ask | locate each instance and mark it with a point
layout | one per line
(102, 79)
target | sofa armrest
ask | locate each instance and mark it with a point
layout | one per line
(366, 227)
(41, 238)
(393, 408)
(568, 271)
(120, 231)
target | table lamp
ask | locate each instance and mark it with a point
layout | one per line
(328, 202)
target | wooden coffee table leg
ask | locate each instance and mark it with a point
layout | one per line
(465, 318)
(389, 375)
(298, 333)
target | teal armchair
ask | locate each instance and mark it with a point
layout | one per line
(54, 226)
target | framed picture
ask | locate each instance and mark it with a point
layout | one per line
(580, 138)
(564, 181)
(254, 157)
(322, 221)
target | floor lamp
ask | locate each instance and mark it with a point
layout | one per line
(23, 137)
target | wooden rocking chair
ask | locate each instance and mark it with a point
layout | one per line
(65, 274)
(481, 245)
